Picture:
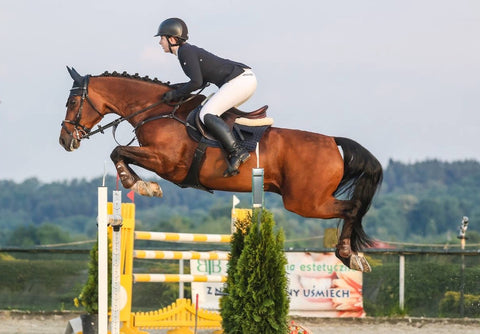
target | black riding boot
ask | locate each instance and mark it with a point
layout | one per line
(236, 154)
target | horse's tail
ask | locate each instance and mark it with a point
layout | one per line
(361, 177)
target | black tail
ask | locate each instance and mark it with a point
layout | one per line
(361, 178)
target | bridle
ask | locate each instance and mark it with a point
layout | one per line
(82, 131)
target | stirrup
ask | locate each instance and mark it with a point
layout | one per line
(232, 170)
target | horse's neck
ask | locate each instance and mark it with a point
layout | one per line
(127, 96)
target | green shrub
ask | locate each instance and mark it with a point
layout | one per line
(88, 298)
(231, 305)
(450, 305)
(257, 300)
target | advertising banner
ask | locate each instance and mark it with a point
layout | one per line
(208, 293)
(319, 285)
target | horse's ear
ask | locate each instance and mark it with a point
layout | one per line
(75, 75)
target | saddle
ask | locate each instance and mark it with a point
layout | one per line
(247, 127)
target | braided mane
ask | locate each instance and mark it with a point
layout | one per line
(135, 76)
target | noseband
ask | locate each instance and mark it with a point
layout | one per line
(80, 130)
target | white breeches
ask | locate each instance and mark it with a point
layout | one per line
(231, 94)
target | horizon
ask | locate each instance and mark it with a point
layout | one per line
(151, 175)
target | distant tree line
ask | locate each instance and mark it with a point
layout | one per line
(418, 202)
(426, 201)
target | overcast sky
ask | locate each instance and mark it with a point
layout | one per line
(400, 77)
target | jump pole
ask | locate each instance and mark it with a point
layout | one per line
(102, 261)
(116, 223)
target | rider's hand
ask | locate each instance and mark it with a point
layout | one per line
(168, 96)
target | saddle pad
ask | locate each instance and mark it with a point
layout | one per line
(247, 136)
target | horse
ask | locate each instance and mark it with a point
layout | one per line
(307, 169)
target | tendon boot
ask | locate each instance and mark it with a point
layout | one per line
(236, 154)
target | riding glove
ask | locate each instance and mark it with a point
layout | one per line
(168, 96)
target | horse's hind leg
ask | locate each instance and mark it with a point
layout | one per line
(335, 208)
(129, 179)
(330, 208)
(344, 251)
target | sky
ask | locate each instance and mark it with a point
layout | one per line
(402, 78)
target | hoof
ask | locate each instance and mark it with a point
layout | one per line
(360, 263)
(150, 189)
(355, 262)
(366, 266)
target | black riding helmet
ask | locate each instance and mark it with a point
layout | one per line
(174, 27)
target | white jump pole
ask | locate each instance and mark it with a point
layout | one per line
(181, 285)
(116, 223)
(102, 261)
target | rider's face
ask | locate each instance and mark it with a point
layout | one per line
(164, 44)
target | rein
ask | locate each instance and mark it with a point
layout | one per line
(84, 132)
(114, 124)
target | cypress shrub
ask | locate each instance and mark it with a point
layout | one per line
(257, 300)
(231, 306)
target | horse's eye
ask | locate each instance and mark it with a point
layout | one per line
(72, 102)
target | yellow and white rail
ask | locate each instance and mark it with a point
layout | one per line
(178, 255)
(183, 237)
(174, 278)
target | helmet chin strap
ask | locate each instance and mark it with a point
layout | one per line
(170, 45)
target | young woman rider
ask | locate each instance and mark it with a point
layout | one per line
(236, 83)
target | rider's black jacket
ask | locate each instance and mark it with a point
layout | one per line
(204, 67)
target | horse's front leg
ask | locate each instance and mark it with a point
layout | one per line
(122, 156)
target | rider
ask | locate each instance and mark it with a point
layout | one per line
(236, 83)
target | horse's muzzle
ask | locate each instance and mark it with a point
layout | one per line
(68, 142)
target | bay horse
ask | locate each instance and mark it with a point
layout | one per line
(307, 169)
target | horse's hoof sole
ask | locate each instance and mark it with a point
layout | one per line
(150, 189)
